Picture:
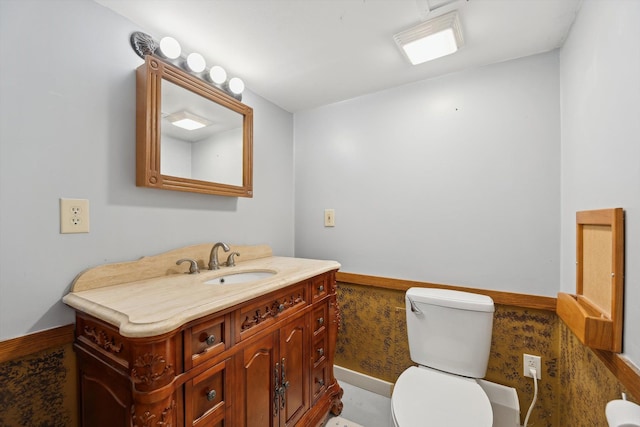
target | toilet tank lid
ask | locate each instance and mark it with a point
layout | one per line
(450, 298)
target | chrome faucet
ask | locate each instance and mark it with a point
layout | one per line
(213, 258)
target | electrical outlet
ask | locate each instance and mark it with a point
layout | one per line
(74, 216)
(530, 361)
(329, 218)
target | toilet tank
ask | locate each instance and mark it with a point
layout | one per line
(450, 330)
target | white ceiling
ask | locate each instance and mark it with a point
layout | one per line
(302, 54)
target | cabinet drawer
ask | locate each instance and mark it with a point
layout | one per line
(254, 317)
(319, 384)
(205, 340)
(206, 396)
(320, 319)
(319, 349)
(319, 287)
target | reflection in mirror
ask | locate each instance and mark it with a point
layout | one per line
(200, 139)
(191, 136)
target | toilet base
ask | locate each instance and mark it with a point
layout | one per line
(504, 403)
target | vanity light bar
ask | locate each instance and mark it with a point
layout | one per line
(169, 49)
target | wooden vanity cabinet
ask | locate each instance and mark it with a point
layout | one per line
(266, 362)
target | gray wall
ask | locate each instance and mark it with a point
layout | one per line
(599, 69)
(453, 180)
(67, 129)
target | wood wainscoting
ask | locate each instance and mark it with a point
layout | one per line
(499, 297)
(372, 341)
(38, 382)
(26, 345)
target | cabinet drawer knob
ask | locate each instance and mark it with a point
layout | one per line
(280, 308)
(211, 339)
(321, 321)
(321, 288)
(320, 381)
(211, 394)
(320, 352)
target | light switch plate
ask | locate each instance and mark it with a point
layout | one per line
(329, 218)
(74, 216)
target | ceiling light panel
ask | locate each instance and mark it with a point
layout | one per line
(186, 120)
(431, 39)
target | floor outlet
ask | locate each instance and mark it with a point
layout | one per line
(74, 216)
(534, 362)
(329, 218)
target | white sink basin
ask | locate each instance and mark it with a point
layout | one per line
(235, 278)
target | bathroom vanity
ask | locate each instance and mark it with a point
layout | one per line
(157, 346)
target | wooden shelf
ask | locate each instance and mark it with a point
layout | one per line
(594, 314)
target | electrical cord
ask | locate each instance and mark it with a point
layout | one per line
(534, 374)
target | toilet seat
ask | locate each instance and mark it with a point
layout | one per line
(427, 397)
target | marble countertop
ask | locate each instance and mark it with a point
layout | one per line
(155, 306)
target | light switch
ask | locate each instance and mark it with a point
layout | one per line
(329, 218)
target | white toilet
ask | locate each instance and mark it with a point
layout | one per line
(449, 338)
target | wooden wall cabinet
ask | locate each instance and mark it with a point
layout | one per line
(594, 313)
(264, 363)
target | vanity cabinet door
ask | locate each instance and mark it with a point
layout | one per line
(258, 376)
(275, 376)
(105, 398)
(294, 370)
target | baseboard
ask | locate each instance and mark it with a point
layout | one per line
(363, 381)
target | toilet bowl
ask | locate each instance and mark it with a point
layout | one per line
(426, 397)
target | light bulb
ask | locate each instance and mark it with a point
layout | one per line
(218, 74)
(236, 85)
(170, 48)
(196, 63)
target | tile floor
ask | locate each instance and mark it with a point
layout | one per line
(362, 408)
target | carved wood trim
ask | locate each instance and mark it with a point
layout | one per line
(148, 419)
(277, 307)
(150, 368)
(102, 339)
(336, 400)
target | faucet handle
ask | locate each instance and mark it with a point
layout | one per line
(231, 260)
(193, 265)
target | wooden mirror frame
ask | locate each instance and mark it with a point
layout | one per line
(149, 78)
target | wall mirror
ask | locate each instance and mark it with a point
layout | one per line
(190, 136)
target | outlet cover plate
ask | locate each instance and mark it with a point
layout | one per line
(74, 216)
(530, 361)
